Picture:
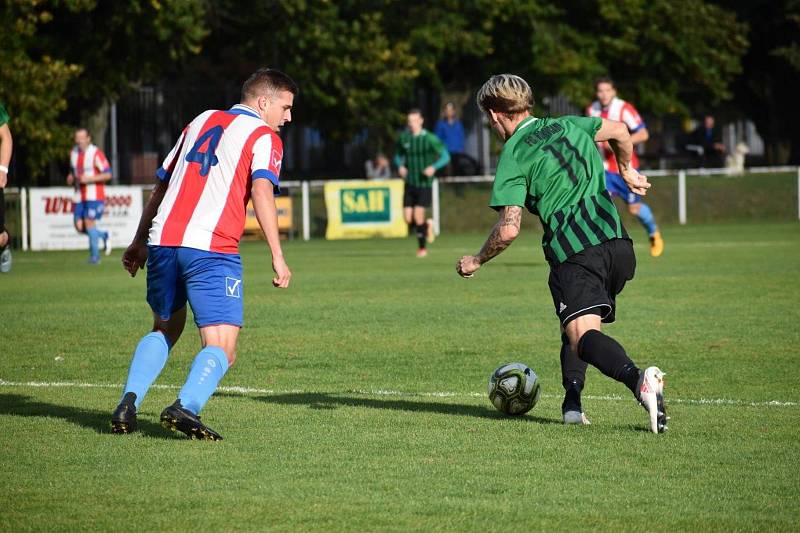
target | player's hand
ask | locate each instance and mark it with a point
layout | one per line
(282, 273)
(429, 171)
(70, 179)
(3, 179)
(467, 266)
(134, 258)
(402, 172)
(636, 182)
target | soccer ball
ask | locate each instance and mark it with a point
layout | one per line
(514, 389)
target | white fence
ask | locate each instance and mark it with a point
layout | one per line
(435, 207)
(305, 193)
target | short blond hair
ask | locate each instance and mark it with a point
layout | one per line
(505, 93)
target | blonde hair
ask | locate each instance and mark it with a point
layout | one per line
(505, 93)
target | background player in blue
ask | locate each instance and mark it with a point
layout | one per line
(220, 159)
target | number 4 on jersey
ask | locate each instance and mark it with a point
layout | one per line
(208, 158)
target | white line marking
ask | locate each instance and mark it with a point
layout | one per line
(385, 392)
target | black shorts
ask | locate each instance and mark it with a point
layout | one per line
(413, 196)
(589, 281)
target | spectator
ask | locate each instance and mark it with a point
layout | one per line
(706, 141)
(451, 132)
(378, 167)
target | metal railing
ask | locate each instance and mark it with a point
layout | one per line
(305, 192)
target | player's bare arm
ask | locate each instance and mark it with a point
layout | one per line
(503, 234)
(135, 255)
(97, 178)
(267, 216)
(618, 137)
(6, 145)
(640, 136)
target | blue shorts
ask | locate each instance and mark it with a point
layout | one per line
(91, 209)
(210, 281)
(617, 187)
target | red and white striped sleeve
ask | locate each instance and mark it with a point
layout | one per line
(631, 118)
(267, 158)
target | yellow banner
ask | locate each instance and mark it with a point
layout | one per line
(283, 204)
(363, 209)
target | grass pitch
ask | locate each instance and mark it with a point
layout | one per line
(358, 399)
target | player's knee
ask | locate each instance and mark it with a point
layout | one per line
(171, 338)
(633, 209)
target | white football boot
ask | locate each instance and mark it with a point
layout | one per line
(5, 259)
(651, 396)
(576, 417)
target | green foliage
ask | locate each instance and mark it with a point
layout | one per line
(671, 54)
(666, 55)
(359, 62)
(66, 57)
(33, 89)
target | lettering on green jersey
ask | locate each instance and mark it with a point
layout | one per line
(543, 133)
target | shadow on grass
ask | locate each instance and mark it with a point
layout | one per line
(99, 421)
(329, 401)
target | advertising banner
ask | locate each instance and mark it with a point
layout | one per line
(52, 227)
(284, 208)
(363, 209)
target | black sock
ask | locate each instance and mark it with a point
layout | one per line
(573, 376)
(422, 232)
(609, 357)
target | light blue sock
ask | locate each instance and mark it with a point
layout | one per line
(94, 236)
(148, 360)
(207, 369)
(645, 216)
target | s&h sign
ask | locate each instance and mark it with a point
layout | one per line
(363, 209)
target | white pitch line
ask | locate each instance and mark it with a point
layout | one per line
(394, 393)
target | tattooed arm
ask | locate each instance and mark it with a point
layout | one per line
(503, 234)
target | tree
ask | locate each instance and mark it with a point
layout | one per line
(767, 89)
(33, 90)
(667, 55)
(63, 58)
(351, 73)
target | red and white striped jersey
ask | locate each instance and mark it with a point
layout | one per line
(621, 111)
(90, 162)
(210, 171)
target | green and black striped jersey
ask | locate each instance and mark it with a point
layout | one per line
(552, 167)
(3, 115)
(416, 152)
